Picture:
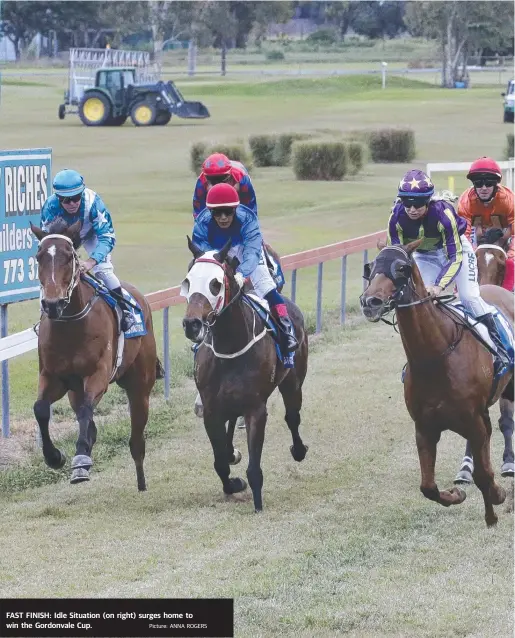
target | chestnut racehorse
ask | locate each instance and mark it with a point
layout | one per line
(448, 383)
(77, 347)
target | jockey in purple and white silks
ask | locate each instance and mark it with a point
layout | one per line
(445, 256)
(72, 202)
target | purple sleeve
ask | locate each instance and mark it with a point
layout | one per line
(394, 231)
(448, 225)
(199, 198)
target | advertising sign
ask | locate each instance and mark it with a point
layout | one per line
(25, 184)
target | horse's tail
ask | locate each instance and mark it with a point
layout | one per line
(160, 372)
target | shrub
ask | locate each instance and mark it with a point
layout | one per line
(508, 151)
(356, 153)
(283, 146)
(235, 151)
(262, 149)
(392, 145)
(274, 54)
(197, 156)
(319, 160)
(322, 36)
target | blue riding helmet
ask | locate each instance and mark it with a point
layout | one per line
(68, 183)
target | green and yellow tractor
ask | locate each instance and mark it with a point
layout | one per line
(117, 96)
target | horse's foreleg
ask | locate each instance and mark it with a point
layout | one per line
(50, 390)
(506, 427)
(464, 475)
(291, 392)
(493, 494)
(427, 440)
(234, 454)
(217, 434)
(83, 403)
(256, 422)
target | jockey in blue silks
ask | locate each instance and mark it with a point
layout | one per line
(225, 218)
(72, 201)
(445, 255)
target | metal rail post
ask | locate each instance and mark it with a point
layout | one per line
(4, 328)
(293, 285)
(319, 296)
(343, 286)
(166, 351)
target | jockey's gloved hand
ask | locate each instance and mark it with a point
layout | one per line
(240, 279)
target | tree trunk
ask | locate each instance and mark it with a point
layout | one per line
(224, 57)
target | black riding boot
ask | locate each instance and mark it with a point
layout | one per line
(488, 321)
(290, 343)
(127, 317)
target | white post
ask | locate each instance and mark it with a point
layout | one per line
(383, 73)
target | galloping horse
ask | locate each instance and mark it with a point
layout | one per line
(237, 367)
(491, 267)
(448, 383)
(77, 347)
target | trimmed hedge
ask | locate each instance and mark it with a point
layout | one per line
(235, 151)
(509, 150)
(357, 155)
(262, 148)
(320, 160)
(392, 145)
(283, 146)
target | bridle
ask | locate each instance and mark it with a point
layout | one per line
(219, 310)
(74, 281)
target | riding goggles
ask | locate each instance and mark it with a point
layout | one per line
(67, 200)
(417, 202)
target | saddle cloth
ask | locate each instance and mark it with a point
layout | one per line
(262, 308)
(138, 329)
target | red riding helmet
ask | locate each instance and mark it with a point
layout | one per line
(485, 166)
(216, 164)
(222, 195)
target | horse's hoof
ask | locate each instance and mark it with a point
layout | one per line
(82, 461)
(58, 463)
(79, 475)
(463, 477)
(491, 520)
(258, 511)
(299, 454)
(236, 485)
(236, 457)
(461, 494)
(508, 469)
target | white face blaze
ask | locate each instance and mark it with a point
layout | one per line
(207, 279)
(51, 251)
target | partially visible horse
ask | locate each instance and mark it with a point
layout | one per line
(77, 347)
(237, 367)
(491, 266)
(449, 376)
(491, 257)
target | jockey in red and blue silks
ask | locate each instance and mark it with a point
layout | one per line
(218, 168)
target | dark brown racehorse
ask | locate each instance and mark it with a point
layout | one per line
(448, 383)
(237, 368)
(491, 266)
(77, 346)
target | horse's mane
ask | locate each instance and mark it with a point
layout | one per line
(446, 195)
(491, 236)
(57, 226)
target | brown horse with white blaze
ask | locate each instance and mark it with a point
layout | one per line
(237, 367)
(448, 382)
(77, 347)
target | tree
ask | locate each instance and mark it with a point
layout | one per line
(341, 15)
(459, 26)
(378, 19)
(21, 21)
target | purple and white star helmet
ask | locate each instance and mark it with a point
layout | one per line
(415, 184)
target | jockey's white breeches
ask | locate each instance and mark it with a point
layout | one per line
(431, 263)
(105, 272)
(261, 279)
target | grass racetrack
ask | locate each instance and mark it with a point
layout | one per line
(346, 543)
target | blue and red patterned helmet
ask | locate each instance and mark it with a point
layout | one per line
(415, 184)
(216, 164)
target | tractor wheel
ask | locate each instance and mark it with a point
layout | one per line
(95, 109)
(119, 120)
(162, 119)
(62, 111)
(143, 114)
